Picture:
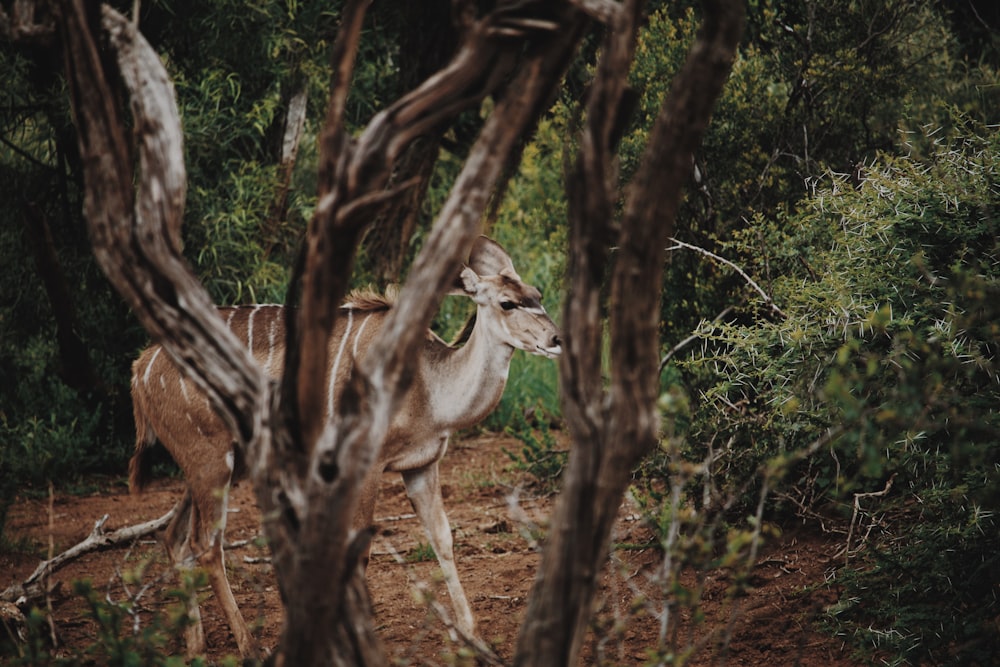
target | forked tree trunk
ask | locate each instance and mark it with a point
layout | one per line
(307, 473)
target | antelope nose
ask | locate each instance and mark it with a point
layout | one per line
(556, 341)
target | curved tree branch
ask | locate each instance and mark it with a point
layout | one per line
(370, 399)
(137, 238)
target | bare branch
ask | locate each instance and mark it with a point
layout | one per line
(23, 25)
(605, 11)
(857, 509)
(612, 431)
(97, 539)
(722, 260)
(137, 238)
(559, 605)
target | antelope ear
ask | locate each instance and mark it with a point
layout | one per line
(488, 258)
(466, 282)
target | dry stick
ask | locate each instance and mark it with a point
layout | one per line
(45, 582)
(135, 598)
(768, 472)
(857, 509)
(722, 260)
(97, 539)
(739, 609)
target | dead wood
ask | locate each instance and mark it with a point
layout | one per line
(32, 588)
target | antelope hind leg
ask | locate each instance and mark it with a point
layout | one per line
(208, 538)
(177, 540)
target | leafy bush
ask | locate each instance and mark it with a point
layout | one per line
(924, 594)
(880, 375)
(540, 456)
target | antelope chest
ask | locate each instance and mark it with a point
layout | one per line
(400, 456)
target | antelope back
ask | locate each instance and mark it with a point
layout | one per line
(170, 408)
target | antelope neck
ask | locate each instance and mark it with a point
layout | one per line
(470, 380)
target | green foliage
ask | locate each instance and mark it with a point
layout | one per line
(540, 456)
(530, 224)
(533, 385)
(927, 599)
(815, 88)
(422, 553)
(883, 368)
(121, 638)
(230, 93)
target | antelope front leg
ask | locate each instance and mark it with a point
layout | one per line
(423, 486)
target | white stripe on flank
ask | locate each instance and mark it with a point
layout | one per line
(272, 334)
(149, 366)
(253, 313)
(336, 364)
(184, 389)
(229, 320)
(354, 349)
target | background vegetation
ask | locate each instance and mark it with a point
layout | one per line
(851, 171)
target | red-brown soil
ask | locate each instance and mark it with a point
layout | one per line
(774, 625)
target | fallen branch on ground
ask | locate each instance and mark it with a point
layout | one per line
(31, 588)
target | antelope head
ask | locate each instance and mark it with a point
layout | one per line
(510, 309)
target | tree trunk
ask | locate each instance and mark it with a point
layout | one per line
(294, 98)
(612, 430)
(74, 356)
(306, 471)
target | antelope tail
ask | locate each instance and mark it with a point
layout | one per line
(140, 466)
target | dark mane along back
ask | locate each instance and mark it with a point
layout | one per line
(367, 299)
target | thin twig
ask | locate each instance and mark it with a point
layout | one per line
(857, 509)
(722, 260)
(484, 653)
(45, 581)
(600, 10)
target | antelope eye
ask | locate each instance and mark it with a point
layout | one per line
(508, 305)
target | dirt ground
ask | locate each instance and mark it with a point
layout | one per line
(773, 625)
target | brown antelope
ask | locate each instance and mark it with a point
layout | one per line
(454, 387)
